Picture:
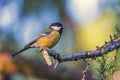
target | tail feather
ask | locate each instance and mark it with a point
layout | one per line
(18, 52)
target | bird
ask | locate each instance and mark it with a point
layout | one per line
(46, 39)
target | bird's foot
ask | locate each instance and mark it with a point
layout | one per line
(56, 63)
(46, 56)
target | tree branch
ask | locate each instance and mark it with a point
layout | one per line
(107, 47)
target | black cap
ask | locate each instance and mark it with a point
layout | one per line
(56, 24)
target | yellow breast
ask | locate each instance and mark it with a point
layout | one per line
(49, 41)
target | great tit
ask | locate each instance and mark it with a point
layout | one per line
(46, 39)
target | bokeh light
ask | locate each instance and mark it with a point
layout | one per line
(87, 25)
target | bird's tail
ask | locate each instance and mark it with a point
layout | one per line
(16, 53)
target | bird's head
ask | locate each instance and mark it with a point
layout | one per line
(56, 26)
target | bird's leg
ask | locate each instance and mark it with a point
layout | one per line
(55, 61)
(46, 56)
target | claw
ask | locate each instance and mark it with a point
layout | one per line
(56, 63)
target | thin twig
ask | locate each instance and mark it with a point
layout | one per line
(115, 55)
(86, 69)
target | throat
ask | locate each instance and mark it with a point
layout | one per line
(60, 31)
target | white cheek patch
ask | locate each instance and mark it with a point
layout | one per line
(55, 27)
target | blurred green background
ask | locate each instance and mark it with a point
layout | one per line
(88, 24)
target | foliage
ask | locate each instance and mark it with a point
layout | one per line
(109, 64)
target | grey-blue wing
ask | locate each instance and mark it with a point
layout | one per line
(42, 34)
(34, 40)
